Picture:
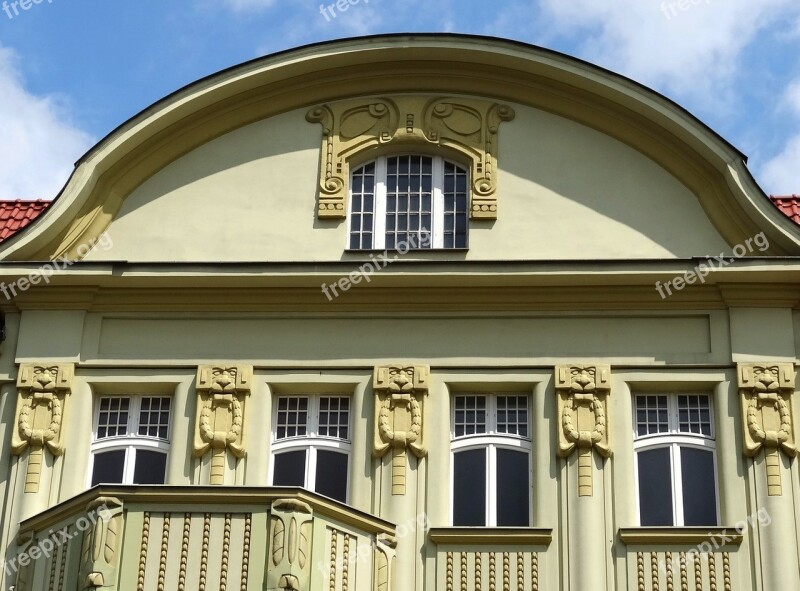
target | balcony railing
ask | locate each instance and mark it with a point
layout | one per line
(701, 559)
(491, 558)
(122, 538)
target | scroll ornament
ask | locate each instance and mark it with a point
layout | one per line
(43, 389)
(222, 390)
(766, 396)
(291, 530)
(400, 390)
(583, 410)
(468, 127)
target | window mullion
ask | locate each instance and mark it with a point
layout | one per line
(379, 219)
(437, 215)
(677, 480)
(311, 467)
(491, 485)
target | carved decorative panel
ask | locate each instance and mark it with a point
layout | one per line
(583, 414)
(467, 126)
(43, 389)
(766, 395)
(220, 422)
(291, 528)
(399, 413)
(102, 545)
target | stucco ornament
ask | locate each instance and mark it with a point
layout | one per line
(291, 530)
(399, 411)
(222, 390)
(583, 411)
(43, 388)
(766, 396)
(102, 545)
(467, 127)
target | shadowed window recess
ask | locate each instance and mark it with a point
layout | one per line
(131, 440)
(491, 464)
(311, 444)
(675, 460)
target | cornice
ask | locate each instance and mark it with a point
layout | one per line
(694, 536)
(485, 536)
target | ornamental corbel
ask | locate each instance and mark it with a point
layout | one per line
(219, 427)
(583, 415)
(385, 559)
(102, 545)
(43, 389)
(399, 410)
(291, 530)
(766, 396)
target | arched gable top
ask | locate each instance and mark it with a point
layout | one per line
(385, 68)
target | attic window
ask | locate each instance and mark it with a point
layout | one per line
(409, 202)
(465, 128)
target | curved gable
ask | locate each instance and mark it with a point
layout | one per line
(591, 166)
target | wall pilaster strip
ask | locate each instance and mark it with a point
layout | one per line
(162, 564)
(226, 554)
(204, 552)
(187, 524)
(140, 575)
(248, 528)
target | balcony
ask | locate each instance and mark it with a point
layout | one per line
(123, 538)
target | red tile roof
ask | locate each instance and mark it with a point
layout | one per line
(789, 205)
(15, 215)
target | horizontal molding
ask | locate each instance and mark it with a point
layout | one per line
(205, 498)
(694, 536)
(534, 536)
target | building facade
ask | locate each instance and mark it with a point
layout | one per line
(404, 313)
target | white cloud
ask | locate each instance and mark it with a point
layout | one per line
(689, 51)
(781, 175)
(249, 5)
(38, 144)
(791, 98)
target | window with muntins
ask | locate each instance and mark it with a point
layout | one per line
(311, 443)
(675, 448)
(130, 440)
(409, 202)
(491, 449)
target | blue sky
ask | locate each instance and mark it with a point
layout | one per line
(72, 70)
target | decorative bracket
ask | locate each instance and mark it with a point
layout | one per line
(291, 530)
(766, 395)
(102, 544)
(400, 391)
(385, 557)
(583, 411)
(222, 390)
(43, 388)
(467, 126)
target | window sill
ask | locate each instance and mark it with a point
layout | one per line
(680, 535)
(534, 536)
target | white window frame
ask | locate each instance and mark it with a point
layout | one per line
(437, 201)
(312, 441)
(491, 441)
(673, 440)
(131, 441)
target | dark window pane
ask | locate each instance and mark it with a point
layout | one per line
(699, 493)
(108, 467)
(513, 488)
(332, 475)
(655, 487)
(469, 491)
(290, 469)
(150, 468)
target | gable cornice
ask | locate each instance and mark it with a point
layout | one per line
(456, 65)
